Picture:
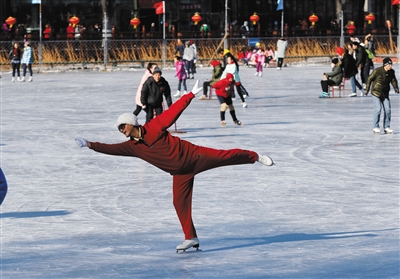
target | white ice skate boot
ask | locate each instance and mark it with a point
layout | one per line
(13, 79)
(22, 79)
(188, 243)
(265, 160)
(377, 131)
(30, 79)
(388, 130)
(178, 94)
(244, 104)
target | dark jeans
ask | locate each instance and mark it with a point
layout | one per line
(24, 69)
(280, 62)
(150, 113)
(15, 68)
(326, 83)
(206, 84)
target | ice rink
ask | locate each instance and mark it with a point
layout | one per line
(329, 208)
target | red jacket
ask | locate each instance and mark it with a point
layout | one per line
(224, 87)
(159, 147)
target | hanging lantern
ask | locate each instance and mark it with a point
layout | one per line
(11, 20)
(74, 20)
(135, 22)
(254, 18)
(313, 19)
(370, 18)
(196, 18)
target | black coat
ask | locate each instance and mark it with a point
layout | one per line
(152, 93)
(349, 65)
(15, 57)
(361, 56)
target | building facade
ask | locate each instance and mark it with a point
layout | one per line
(179, 12)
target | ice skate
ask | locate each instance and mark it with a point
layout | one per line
(377, 131)
(203, 97)
(13, 79)
(223, 123)
(178, 94)
(244, 104)
(265, 160)
(188, 243)
(353, 95)
(22, 79)
(30, 79)
(388, 130)
(260, 74)
(237, 122)
(256, 74)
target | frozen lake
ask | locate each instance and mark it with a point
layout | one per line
(329, 208)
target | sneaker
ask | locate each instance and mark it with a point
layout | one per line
(30, 79)
(178, 94)
(188, 243)
(223, 123)
(244, 105)
(388, 130)
(324, 95)
(237, 122)
(353, 95)
(265, 160)
(377, 130)
(203, 97)
(13, 79)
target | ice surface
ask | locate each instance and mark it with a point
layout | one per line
(329, 208)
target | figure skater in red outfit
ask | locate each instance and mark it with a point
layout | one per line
(152, 143)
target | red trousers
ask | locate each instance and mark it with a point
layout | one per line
(206, 158)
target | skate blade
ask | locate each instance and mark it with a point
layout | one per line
(181, 251)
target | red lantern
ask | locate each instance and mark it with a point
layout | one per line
(196, 18)
(74, 20)
(254, 18)
(135, 22)
(313, 19)
(351, 28)
(11, 20)
(370, 18)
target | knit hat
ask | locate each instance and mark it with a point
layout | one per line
(339, 50)
(215, 63)
(335, 60)
(387, 61)
(127, 118)
(157, 70)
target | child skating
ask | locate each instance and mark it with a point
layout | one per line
(260, 58)
(181, 75)
(223, 89)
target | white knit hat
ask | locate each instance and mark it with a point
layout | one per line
(127, 118)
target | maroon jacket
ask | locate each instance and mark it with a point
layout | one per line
(159, 147)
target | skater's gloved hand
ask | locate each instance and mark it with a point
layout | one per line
(196, 89)
(81, 142)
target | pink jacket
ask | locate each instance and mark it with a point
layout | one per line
(180, 70)
(145, 77)
(260, 57)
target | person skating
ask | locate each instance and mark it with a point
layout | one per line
(379, 82)
(153, 143)
(148, 73)
(152, 94)
(223, 89)
(180, 73)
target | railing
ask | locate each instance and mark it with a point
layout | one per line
(145, 50)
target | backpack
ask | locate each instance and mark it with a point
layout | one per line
(370, 54)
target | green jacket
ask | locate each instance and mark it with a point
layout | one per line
(336, 75)
(381, 80)
(216, 74)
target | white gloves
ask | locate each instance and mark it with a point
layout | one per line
(196, 89)
(81, 142)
